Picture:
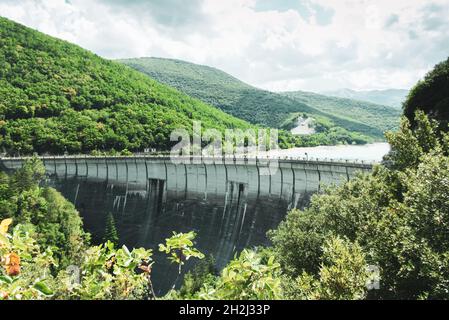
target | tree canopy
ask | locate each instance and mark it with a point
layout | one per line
(431, 95)
(394, 219)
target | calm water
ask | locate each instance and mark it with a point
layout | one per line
(369, 152)
(228, 214)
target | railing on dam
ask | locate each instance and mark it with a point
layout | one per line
(204, 159)
(290, 180)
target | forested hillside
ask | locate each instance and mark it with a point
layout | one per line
(431, 95)
(220, 89)
(390, 97)
(262, 107)
(57, 97)
(353, 114)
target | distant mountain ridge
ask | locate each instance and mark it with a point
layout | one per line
(262, 107)
(389, 97)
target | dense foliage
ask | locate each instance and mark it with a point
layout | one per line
(342, 274)
(251, 275)
(25, 269)
(246, 277)
(56, 222)
(29, 271)
(57, 97)
(394, 219)
(431, 95)
(262, 107)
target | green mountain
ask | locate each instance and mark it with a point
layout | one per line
(431, 95)
(390, 97)
(57, 97)
(358, 114)
(219, 89)
(266, 108)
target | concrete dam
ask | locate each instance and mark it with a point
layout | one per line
(230, 203)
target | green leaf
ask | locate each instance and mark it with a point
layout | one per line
(4, 241)
(42, 287)
(6, 279)
(126, 251)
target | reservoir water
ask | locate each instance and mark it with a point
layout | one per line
(230, 207)
(370, 152)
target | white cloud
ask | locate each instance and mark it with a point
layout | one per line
(317, 45)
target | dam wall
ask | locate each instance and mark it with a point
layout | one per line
(281, 178)
(230, 203)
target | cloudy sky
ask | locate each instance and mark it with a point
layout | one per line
(314, 45)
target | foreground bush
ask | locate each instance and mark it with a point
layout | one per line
(106, 273)
(56, 222)
(398, 215)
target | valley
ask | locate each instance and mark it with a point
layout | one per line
(363, 121)
(130, 177)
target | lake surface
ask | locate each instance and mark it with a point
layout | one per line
(370, 152)
(229, 212)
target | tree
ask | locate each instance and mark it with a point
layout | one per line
(247, 277)
(29, 176)
(180, 248)
(343, 275)
(110, 233)
(396, 214)
(431, 96)
(57, 97)
(29, 271)
(204, 273)
(57, 223)
(409, 145)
